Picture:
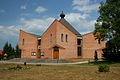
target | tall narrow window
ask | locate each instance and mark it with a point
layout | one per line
(50, 37)
(79, 51)
(61, 37)
(23, 42)
(39, 42)
(66, 38)
(78, 41)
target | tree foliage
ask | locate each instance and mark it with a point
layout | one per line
(11, 52)
(17, 52)
(107, 26)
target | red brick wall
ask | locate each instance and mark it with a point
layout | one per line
(46, 44)
(30, 44)
(89, 45)
(70, 50)
(67, 49)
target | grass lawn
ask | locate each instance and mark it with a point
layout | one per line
(61, 72)
(111, 64)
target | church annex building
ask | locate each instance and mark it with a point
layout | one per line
(59, 41)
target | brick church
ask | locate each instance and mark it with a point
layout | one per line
(59, 41)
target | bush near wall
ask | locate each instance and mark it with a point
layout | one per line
(104, 68)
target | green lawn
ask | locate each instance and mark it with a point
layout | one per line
(111, 64)
(61, 72)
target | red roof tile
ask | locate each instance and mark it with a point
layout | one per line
(1, 52)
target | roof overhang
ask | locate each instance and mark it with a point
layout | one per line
(57, 45)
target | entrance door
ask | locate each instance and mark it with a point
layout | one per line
(56, 53)
(38, 53)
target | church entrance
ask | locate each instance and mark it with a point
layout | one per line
(55, 52)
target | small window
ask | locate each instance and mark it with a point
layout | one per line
(42, 54)
(50, 37)
(23, 41)
(79, 51)
(61, 37)
(33, 54)
(39, 42)
(78, 41)
(66, 38)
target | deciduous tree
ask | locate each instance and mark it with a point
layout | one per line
(107, 26)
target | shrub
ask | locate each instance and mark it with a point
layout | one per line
(18, 67)
(104, 68)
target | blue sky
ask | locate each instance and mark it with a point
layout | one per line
(35, 16)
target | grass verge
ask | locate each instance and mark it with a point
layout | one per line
(61, 72)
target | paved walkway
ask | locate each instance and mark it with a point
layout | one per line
(10, 62)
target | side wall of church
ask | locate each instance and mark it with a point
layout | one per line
(89, 45)
(28, 45)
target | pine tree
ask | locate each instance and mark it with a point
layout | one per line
(5, 48)
(17, 52)
(9, 50)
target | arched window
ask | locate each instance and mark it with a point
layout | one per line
(61, 37)
(23, 42)
(50, 37)
(66, 38)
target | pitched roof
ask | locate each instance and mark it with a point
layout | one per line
(68, 26)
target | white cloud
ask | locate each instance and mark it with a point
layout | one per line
(36, 24)
(9, 31)
(80, 2)
(33, 25)
(40, 9)
(76, 16)
(80, 22)
(85, 6)
(23, 7)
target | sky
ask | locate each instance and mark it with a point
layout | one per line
(35, 16)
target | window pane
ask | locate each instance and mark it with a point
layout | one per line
(33, 54)
(79, 51)
(66, 38)
(50, 37)
(23, 42)
(39, 42)
(78, 41)
(61, 37)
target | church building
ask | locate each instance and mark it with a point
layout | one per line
(59, 41)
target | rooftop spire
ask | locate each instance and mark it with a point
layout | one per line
(62, 15)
